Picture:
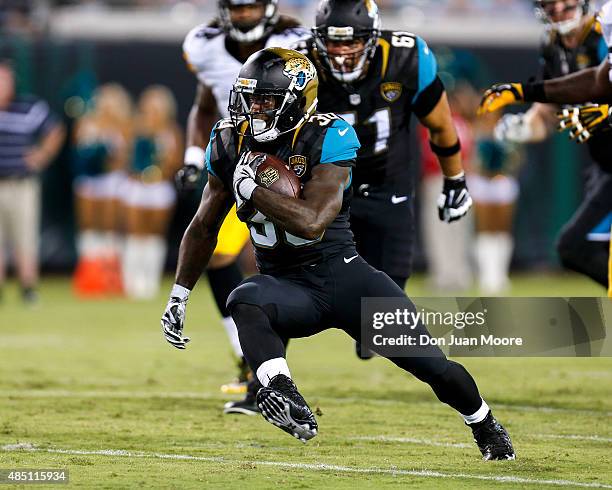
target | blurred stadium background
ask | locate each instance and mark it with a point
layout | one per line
(63, 49)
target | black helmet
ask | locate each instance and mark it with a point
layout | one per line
(283, 84)
(542, 11)
(347, 20)
(248, 33)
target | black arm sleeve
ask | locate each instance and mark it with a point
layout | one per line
(428, 99)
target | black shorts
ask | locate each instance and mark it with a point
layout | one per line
(311, 299)
(384, 229)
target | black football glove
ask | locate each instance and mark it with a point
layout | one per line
(455, 200)
(172, 322)
(187, 178)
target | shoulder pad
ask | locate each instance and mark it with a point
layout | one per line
(284, 23)
(303, 46)
(194, 46)
(224, 124)
(400, 39)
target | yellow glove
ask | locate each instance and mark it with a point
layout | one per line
(585, 120)
(500, 95)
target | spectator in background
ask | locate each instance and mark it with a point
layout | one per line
(30, 138)
(103, 140)
(149, 196)
(495, 190)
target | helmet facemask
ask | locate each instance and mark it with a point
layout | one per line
(269, 113)
(544, 10)
(352, 64)
(248, 33)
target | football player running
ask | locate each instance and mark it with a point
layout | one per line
(575, 44)
(311, 276)
(215, 53)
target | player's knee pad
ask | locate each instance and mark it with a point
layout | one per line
(251, 291)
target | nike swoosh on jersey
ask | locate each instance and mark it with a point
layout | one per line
(343, 132)
(398, 200)
(350, 259)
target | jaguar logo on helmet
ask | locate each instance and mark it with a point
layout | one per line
(301, 71)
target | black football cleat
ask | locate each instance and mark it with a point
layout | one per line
(282, 405)
(248, 405)
(492, 439)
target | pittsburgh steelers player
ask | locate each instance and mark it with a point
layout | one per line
(580, 244)
(215, 54)
(311, 276)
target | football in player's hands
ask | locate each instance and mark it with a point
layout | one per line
(274, 174)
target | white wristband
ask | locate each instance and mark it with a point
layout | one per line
(180, 292)
(194, 155)
(456, 177)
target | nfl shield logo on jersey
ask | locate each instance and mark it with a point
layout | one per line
(298, 164)
(391, 91)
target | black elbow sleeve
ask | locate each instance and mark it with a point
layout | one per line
(428, 99)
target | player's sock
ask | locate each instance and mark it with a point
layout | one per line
(222, 282)
(232, 333)
(270, 368)
(478, 416)
(259, 341)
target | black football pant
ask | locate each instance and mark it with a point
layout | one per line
(575, 250)
(269, 310)
(384, 229)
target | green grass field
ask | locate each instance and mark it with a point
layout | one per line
(93, 387)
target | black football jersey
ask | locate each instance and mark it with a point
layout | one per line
(324, 139)
(556, 61)
(398, 83)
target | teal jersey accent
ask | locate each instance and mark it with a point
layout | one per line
(428, 67)
(340, 143)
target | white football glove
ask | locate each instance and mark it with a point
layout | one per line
(244, 176)
(172, 322)
(513, 128)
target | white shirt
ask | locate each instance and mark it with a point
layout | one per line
(205, 52)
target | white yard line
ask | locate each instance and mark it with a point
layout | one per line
(212, 396)
(412, 440)
(574, 437)
(319, 467)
